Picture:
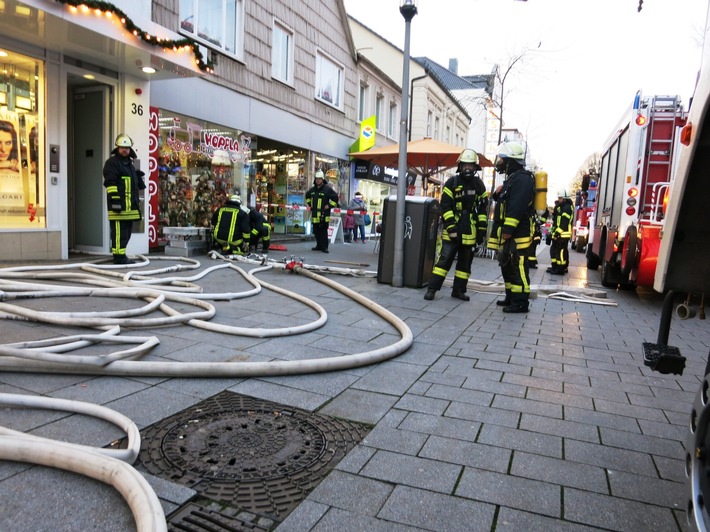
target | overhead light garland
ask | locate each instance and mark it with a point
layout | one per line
(109, 10)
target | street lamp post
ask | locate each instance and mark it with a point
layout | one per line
(408, 8)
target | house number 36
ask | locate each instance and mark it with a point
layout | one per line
(137, 109)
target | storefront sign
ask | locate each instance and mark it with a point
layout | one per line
(375, 172)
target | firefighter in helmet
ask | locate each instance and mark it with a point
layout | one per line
(321, 198)
(512, 230)
(123, 183)
(231, 227)
(464, 203)
(561, 230)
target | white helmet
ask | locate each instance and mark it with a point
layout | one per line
(468, 156)
(562, 193)
(319, 175)
(236, 198)
(511, 150)
(124, 141)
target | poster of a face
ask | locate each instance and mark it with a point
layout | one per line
(11, 182)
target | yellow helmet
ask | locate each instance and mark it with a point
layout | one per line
(124, 141)
(511, 150)
(468, 156)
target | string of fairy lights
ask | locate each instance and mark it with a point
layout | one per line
(110, 11)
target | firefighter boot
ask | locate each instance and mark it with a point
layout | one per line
(265, 249)
(504, 302)
(122, 259)
(458, 294)
(429, 295)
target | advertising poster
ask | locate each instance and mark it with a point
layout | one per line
(12, 192)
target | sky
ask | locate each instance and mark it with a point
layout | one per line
(584, 60)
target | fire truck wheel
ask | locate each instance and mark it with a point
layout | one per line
(696, 461)
(580, 244)
(630, 252)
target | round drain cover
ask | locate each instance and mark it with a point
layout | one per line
(261, 456)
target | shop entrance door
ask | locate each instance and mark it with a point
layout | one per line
(89, 142)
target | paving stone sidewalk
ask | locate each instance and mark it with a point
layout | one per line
(540, 421)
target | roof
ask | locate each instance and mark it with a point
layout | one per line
(453, 81)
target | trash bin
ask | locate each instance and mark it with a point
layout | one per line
(421, 223)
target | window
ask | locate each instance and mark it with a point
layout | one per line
(448, 135)
(22, 143)
(379, 110)
(362, 104)
(215, 23)
(436, 128)
(429, 116)
(392, 121)
(329, 81)
(282, 53)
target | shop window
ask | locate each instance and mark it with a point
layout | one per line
(22, 174)
(215, 23)
(200, 165)
(329, 81)
(282, 53)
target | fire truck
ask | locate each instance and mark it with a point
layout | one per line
(637, 168)
(682, 269)
(584, 206)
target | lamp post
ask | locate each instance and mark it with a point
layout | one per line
(408, 8)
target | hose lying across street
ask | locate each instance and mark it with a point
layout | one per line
(53, 355)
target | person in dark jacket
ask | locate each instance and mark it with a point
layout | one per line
(232, 231)
(464, 204)
(260, 230)
(321, 198)
(123, 184)
(561, 230)
(512, 229)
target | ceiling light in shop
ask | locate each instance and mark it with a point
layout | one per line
(148, 70)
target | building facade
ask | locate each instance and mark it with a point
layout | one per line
(252, 107)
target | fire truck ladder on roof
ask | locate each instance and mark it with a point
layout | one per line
(665, 112)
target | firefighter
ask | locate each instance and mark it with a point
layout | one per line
(562, 215)
(321, 198)
(123, 184)
(464, 203)
(231, 227)
(537, 238)
(260, 230)
(512, 229)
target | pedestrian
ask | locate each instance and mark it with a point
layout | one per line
(321, 198)
(9, 159)
(348, 227)
(561, 233)
(357, 205)
(260, 230)
(123, 184)
(232, 232)
(464, 204)
(512, 230)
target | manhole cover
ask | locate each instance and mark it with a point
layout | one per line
(259, 456)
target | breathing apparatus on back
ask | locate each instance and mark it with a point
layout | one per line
(540, 201)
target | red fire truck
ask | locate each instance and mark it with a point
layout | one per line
(584, 205)
(637, 170)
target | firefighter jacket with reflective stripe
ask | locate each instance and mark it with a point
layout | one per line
(562, 219)
(123, 184)
(231, 225)
(464, 206)
(321, 200)
(513, 214)
(258, 223)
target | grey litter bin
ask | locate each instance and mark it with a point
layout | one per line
(421, 223)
